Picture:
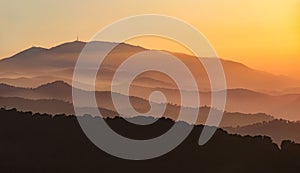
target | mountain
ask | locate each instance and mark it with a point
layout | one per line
(277, 129)
(35, 61)
(58, 63)
(45, 143)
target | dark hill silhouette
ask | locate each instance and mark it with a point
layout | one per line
(277, 129)
(45, 143)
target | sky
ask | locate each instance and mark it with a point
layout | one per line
(263, 34)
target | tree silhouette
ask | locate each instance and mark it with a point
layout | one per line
(45, 143)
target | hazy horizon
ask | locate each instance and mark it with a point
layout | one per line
(169, 86)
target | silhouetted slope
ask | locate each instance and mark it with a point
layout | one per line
(278, 130)
(42, 143)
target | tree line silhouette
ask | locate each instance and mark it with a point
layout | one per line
(44, 143)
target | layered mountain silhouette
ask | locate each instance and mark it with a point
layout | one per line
(45, 143)
(238, 100)
(46, 136)
(257, 91)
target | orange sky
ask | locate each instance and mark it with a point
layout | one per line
(264, 34)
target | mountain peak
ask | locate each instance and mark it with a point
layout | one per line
(74, 46)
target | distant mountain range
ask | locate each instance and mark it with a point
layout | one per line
(238, 100)
(36, 66)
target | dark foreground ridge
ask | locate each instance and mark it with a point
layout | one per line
(42, 143)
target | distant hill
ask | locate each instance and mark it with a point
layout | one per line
(45, 143)
(59, 62)
(278, 130)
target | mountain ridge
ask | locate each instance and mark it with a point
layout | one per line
(277, 129)
(81, 44)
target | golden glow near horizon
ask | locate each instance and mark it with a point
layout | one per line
(263, 34)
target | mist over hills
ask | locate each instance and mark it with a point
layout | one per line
(248, 89)
(53, 106)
